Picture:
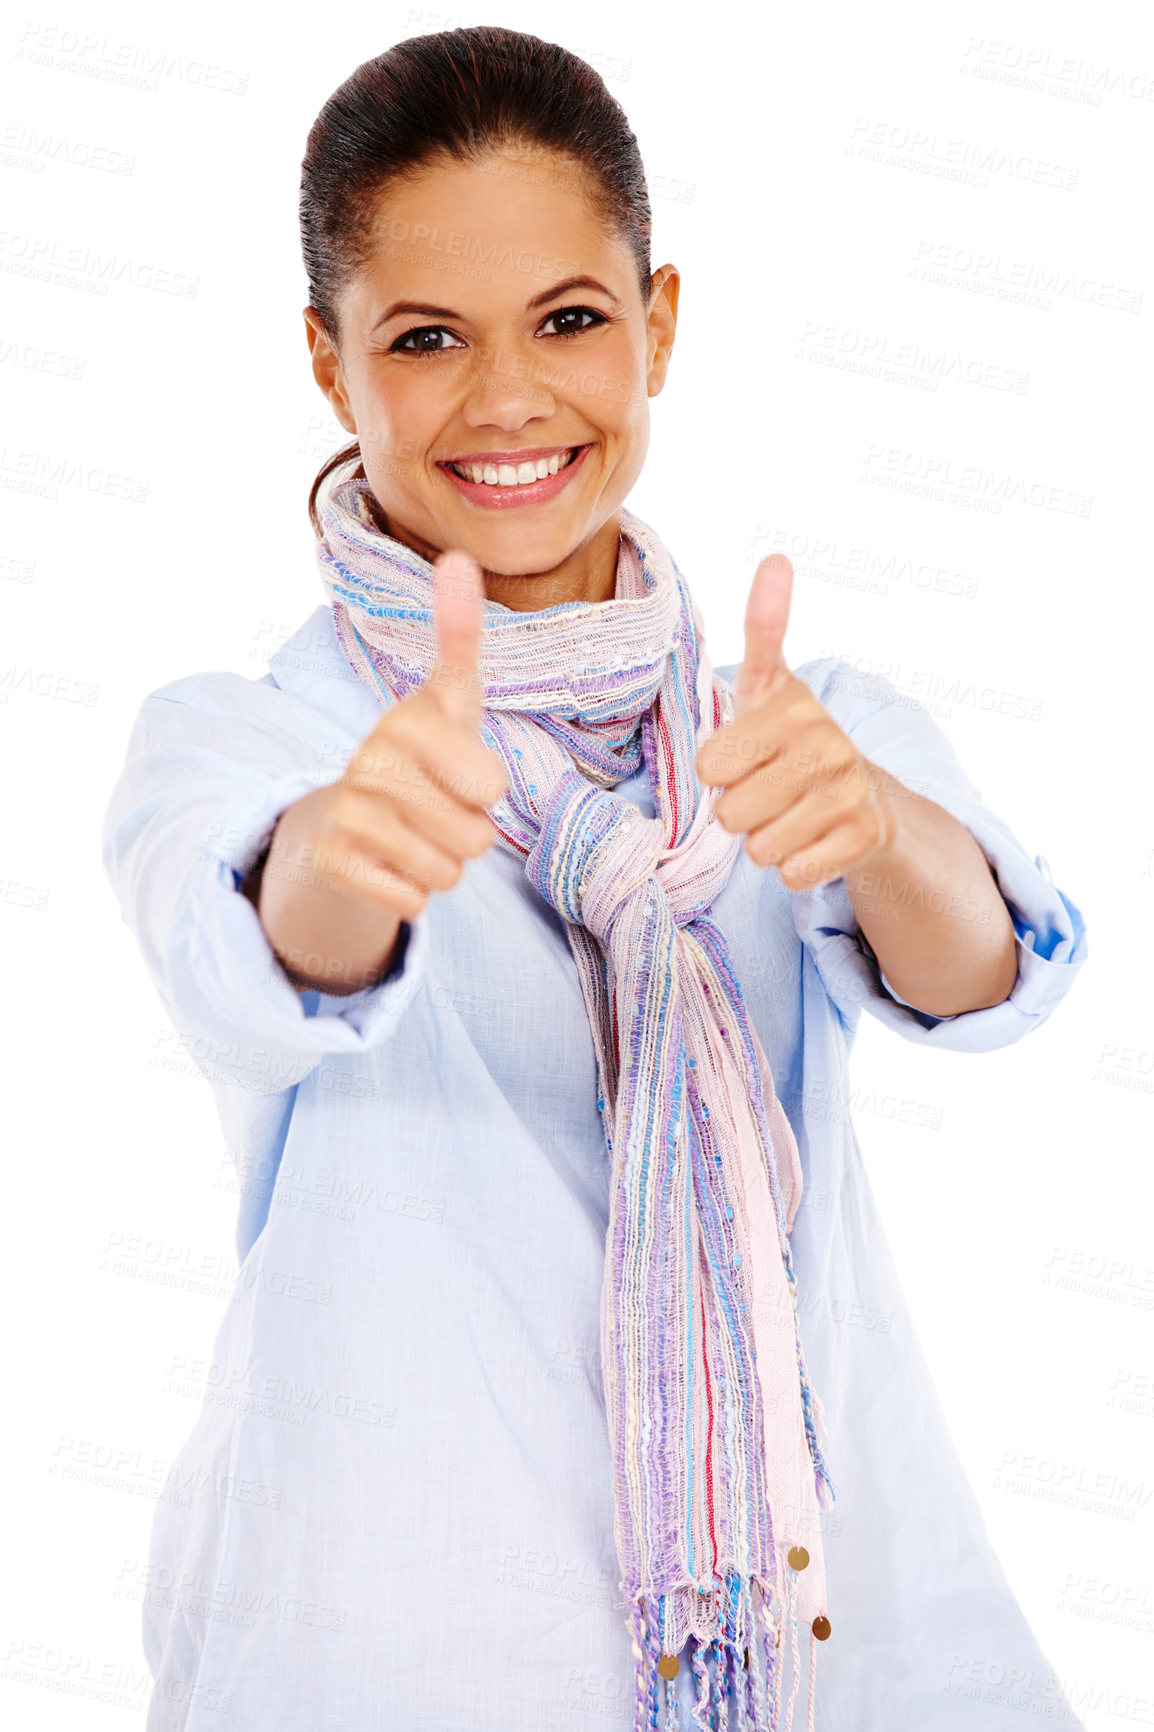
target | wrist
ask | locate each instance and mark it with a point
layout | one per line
(323, 935)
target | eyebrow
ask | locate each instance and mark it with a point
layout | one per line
(561, 288)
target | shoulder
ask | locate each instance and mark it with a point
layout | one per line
(217, 691)
(307, 698)
(218, 711)
(298, 663)
(308, 685)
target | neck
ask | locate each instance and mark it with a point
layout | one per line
(589, 573)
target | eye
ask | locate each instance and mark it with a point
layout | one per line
(570, 312)
(422, 348)
(422, 339)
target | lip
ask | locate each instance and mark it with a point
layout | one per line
(509, 498)
(528, 454)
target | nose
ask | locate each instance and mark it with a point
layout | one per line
(507, 388)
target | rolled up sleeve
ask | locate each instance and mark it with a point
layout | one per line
(207, 774)
(897, 733)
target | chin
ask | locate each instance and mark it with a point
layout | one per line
(519, 553)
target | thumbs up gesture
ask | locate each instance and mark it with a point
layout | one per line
(794, 782)
(350, 861)
(411, 808)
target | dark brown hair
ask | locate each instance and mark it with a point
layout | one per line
(455, 94)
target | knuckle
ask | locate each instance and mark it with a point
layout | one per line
(329, 845)
(333, 860)
(446, 872)
(363, 761)
(476, 838)
(368, 772)
(357, 813)
(405, 900)
(337, 816)
(865, 822)
(408, 884)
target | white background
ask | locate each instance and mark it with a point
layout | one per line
(956, 197)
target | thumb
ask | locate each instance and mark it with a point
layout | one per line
(459, 612)
(766, 617)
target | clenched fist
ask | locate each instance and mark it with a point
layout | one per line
(350, 861)
(810, 804)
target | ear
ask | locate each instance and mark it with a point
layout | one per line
(327, 370)
(662, 326)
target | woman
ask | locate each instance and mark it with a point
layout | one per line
(568, 1381)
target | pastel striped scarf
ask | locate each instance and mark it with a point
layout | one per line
(718, 1474)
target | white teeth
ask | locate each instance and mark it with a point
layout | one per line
(513, 475)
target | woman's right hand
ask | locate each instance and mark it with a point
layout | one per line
(348, 862)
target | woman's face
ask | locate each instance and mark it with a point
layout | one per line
(462, 338)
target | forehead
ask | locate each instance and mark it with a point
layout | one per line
(489, 234)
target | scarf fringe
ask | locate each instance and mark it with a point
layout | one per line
(744, 1691)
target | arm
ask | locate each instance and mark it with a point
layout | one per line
(902, 740)
(930, 908)
(349, 864)
(212, 763)
(320, 938)
(812, 804)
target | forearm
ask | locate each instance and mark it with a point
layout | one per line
(322, 936)
(930, 907)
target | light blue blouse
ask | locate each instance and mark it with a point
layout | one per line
(394, 1513)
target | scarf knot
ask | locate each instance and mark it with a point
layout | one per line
(592, 851)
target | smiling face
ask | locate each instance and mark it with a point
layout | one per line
(466, 337)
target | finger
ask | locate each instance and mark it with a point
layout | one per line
(817, 757)
(386, 837)
(766, 618)
(459, 832)
(417, 750)
(459, 611)
(847, 845)
(368, 850)
(366, 878)
(803, 823)
(352, 860)
(792, 731)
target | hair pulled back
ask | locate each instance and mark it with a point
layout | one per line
(455, 95)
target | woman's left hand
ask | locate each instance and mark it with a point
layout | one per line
(810, 804)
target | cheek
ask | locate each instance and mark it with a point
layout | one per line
(609, 389)
(397, 419)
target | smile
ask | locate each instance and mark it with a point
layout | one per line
(514, 474)
(506, 479)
